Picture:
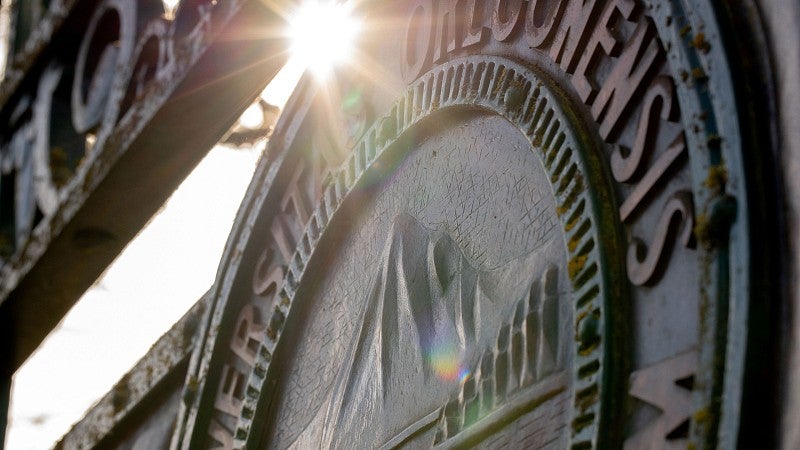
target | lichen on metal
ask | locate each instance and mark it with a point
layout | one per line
(166, 358)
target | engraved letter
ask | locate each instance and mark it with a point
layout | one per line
(541, 20)
(601, 38)
(506, 18)
(231, 391)
(671, 156)
(658, 385)
(643, 263)
(657, 104)
(456, 27)
(572, 36)
(246, 335)
(419, 37)
(268, 274)
(638, 58)
(222, 436)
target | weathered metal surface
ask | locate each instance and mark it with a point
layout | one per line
(529, 224)
(140, 392)
(108, 105)
(203, 377)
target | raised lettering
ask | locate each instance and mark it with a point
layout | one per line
(109, 41)
(602, 38)
(658, 104)
(447, 30)
(18, 172)
(418, 40)
(231, 391)
(541, 20)
(294, 202)
(284, 237)
(659, 386)
(247, 334)
(223, 437)
(46, 190)
(506, 18)
(638, 59)
(574, 32)
(475, 32)
(653, 176)
(268, 275)
(457, 27)
(678, 215)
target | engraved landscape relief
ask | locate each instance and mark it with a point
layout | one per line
(416, 292)
(423, 347)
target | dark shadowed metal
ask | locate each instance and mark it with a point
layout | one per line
(108, 106)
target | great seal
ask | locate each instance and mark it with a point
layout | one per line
(578, 152)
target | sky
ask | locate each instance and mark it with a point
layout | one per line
(158, 277)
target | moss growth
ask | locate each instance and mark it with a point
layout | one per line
(717, 178)
(538, 137)
(571, 224)
(572, 245)
(575, 266)
(701, 416)
(190, 390)
(702, 230)
(712, 229)
(699, 42)
(587, 398)
(699, 74)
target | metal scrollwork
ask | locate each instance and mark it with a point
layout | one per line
(82, 96)
(107, 47)
(88, 92)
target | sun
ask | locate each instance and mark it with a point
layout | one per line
(322, 35)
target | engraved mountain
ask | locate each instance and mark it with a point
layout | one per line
(425, 324)
(514, 378)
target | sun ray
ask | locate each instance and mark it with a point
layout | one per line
(322, 35)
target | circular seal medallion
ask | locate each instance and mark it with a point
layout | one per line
(514, 223)
(460, 253)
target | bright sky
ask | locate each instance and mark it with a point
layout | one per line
(158, 277)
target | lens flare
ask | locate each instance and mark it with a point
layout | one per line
(322, 35)
(446, 360)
